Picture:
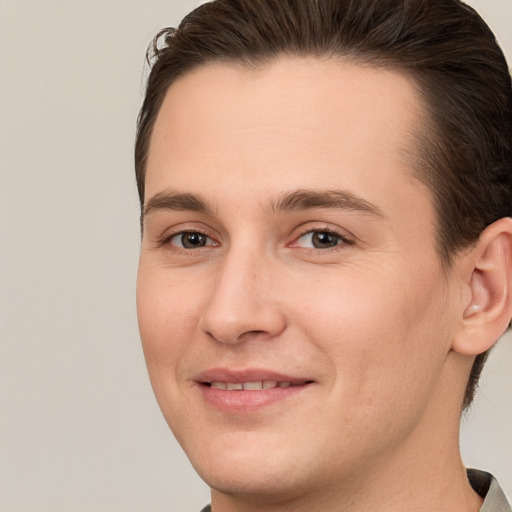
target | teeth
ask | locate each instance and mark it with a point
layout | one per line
(252, 386)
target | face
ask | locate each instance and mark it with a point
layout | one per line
(294, 314)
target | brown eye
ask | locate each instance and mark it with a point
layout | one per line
(320, 240)
(191, 240)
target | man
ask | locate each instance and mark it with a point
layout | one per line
(326, 253)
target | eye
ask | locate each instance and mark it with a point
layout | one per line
(191, 240)
(320, 239)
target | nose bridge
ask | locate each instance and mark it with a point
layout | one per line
(242, 300)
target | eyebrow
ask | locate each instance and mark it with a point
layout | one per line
(309, 199)
(303, 199)
(176, 201)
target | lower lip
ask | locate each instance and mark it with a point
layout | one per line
(245, 402)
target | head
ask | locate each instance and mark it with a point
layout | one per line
(464, 145)
(455, 105)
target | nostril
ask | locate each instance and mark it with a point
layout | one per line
(250, 334)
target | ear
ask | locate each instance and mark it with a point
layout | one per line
(489, 279)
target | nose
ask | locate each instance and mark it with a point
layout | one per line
(244, 303)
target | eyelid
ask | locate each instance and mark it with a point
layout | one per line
(209, 242)
(345, 238)
(166, 238)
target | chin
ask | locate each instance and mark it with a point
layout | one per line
(249, 472)
(231, 483)
(259, 486)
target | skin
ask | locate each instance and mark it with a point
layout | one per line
(370, 321)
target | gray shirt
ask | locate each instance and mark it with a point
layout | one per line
(487, 486)
(484, 484)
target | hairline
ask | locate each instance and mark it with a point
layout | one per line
(422, 133)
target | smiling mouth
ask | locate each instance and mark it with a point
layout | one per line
(239, 394)
(255, 385)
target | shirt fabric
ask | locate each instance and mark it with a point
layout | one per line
(483, 483)
(487, 486)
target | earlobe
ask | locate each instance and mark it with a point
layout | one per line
(489, 310)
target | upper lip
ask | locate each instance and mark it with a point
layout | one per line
(246, 375)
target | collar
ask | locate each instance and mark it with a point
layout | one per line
(488, 488)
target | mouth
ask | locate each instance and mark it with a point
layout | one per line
(244, 392)
(254, 385)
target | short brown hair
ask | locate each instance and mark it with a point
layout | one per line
(464, 155)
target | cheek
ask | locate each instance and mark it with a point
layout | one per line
(166, 320)
(377, 330)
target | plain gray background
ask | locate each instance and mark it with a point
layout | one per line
(79, 427)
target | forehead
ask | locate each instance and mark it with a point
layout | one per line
(343, 122)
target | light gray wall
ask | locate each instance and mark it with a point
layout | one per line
(79, 427)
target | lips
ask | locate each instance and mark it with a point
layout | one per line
(270, 378)
(248, 391)
(254, 386)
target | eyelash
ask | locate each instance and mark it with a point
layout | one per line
(166, 240)
(342, 240)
